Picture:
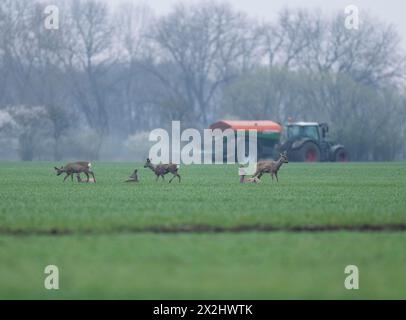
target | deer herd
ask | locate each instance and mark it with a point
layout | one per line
(160, 170)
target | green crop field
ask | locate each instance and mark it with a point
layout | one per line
(207, 237)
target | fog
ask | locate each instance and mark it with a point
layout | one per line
(93, 88)
(390, 11)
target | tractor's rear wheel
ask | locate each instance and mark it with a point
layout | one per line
(341, 155)
(309, 152)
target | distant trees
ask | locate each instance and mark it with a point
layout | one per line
(367, 121)
(207, 44)
(108, 75)
(28, 126)
(88, 57)
(316, 69)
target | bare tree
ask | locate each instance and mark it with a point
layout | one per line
(284, 41)
(204, 42)
(86, 55)
(134, 24)
(17, 41)
(370, 55)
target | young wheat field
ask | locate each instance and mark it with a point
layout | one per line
(206, 237)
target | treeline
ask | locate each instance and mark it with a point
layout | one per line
(96, 86)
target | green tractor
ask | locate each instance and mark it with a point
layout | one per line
(303, 141)
(307, 141)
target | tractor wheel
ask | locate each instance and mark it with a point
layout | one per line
(341, 155)
(309, 152)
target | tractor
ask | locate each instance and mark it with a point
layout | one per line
(303, 141)
(308, 141)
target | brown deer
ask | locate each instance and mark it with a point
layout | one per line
(76, 168)
(242, 173)
(243, 179)
(271, 167)
(133, 177)
(162, 169)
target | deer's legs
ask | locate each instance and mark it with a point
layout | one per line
(177, 175)
(174, 176)
(87, 176)
(67, 175)
(276, 175)
(91, 172)
(258, 174)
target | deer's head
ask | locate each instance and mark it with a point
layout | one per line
(134, 174)
(148, 163)
(284, 157)
(59, 171)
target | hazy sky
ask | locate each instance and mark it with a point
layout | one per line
(392, 11)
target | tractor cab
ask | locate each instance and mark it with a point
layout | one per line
(304, 129)
(307, 141)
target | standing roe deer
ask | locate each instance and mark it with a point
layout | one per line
(271, 167)
(163, 169)
(76, 167)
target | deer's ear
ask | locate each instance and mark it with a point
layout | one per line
(56, 168)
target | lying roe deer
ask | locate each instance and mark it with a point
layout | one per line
(271, 167)
(76, 168)
(162, 169)
(133, 177)
(242, 173)
(243, 179)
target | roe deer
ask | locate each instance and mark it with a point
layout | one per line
(243, 179)
(76, 167)
(271, 167)
(242, 173)
(162, 169)
(133, 177)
